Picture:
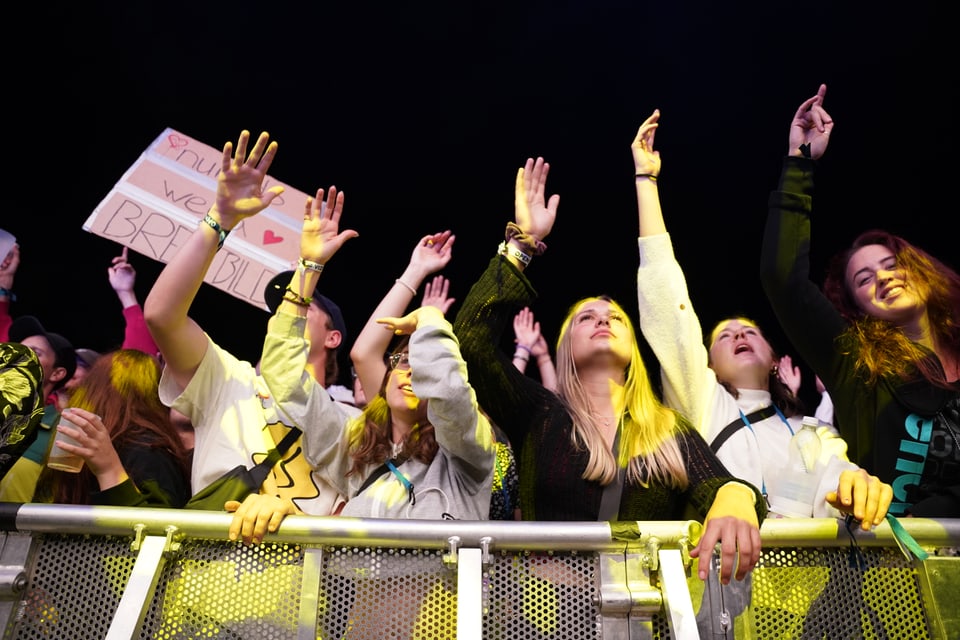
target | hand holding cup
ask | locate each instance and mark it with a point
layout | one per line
(82, 434)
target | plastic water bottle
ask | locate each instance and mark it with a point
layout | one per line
(797, 488)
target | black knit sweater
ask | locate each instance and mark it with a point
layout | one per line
(537, 422)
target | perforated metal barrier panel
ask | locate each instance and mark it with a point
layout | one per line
(816, 593)
(211, 588)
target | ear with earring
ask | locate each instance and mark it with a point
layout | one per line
(775, 370)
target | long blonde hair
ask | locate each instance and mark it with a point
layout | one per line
(648, 446)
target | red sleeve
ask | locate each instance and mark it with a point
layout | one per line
(136, 335)
(5, 320)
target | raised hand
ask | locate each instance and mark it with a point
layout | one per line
(533, 213)
(436, 294)
(240, 181)
(321, 236)
(407, 324)
(8, 268)
(526, 330)
(432, 253)
(121, 274)
(789, 374)
(646, 160)
(811, 125)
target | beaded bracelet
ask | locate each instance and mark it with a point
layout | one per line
(216, 227)
(292, 296)
(310, 264)
(401, 282)
(507, 250)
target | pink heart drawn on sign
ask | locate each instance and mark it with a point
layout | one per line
(269, 237)
(176, 141)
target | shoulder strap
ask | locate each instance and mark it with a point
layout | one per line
(376, 473)
(733, 427)
(610, 502)
(260, 470)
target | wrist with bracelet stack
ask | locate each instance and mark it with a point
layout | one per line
(507, 250)
(523, 352)
(221, 232)
(293, 297)
(309, 265)
(530, 246)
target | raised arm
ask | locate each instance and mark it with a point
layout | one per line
(284, 362)
(667, 318)
(439, 378)
(123, 277)
(320, 239)
(646, 162)
(807, 317)
(297, 393)
(8, 270)
(239, 195)
(510, 397)
(534, 215)
(531, 344)
(431, 254)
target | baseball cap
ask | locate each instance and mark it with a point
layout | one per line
(273, 295)
(86, 357)
(64, 355)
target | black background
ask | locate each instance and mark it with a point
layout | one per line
(422, 112)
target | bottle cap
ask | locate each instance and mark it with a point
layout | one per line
(812, 421)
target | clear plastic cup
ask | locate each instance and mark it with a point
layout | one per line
(60, 459)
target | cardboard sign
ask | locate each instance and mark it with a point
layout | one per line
(161, 199)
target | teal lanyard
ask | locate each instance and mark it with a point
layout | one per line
(908, 545)
(404, 481)
(763, 488)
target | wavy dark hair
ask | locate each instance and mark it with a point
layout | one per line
(884, 348)
(371, 432)
(122, 387)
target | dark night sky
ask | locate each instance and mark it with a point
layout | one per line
(422, 112)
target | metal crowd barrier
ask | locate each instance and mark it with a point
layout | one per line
(120, 573)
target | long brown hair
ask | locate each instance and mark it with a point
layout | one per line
(883, 347)
(122, 388)
(371, 432)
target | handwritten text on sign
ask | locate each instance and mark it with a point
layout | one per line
(160, 200)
